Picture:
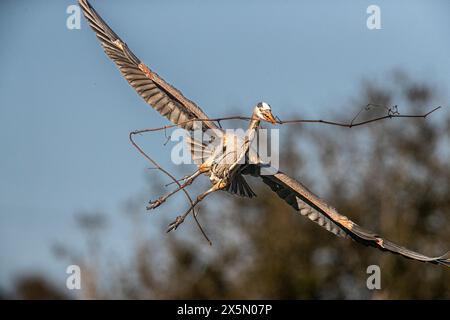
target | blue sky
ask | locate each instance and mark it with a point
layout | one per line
(65, 111)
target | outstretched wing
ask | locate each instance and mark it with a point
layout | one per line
(167, 100)
(314, 208)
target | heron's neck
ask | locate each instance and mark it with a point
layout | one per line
(252, 127)
(251, 132)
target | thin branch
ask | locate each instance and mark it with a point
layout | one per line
(158, 167)
(367, 108)
(392, 113)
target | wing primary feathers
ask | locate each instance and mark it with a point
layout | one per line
(314, 208)
(163, 97)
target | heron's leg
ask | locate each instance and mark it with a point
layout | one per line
(180, 219)
(188, 180)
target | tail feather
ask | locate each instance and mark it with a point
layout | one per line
(240, 187)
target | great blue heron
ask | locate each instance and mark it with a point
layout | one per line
(223, 173)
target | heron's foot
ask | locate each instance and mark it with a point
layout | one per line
(174, 225)
(156, 203)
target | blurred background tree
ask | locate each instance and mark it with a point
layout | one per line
(392, 177)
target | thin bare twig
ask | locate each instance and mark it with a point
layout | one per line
(367, 107)
(158, 167)
(392, 113)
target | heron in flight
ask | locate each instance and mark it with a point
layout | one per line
(225, 169)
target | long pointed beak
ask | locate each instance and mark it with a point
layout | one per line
(270, 117)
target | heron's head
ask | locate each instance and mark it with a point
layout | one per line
(264, 112)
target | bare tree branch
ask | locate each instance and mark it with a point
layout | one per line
(391, 113)
(167, 173)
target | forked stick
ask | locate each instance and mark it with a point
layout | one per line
(158, 167)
